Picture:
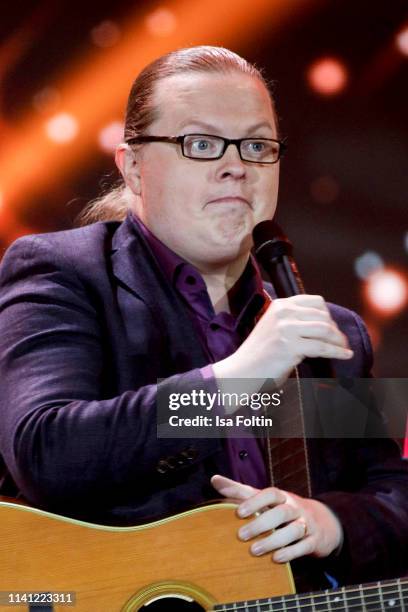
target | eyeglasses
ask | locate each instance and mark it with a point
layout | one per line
(205, 147)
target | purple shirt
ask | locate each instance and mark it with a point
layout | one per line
(220, 335)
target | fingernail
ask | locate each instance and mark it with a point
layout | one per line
(257, 549)
(279, 557)
(244, 533)
(243, 511)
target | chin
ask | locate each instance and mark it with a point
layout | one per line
(233, 234)
(229, 249)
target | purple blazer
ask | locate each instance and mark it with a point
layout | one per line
(88, 323)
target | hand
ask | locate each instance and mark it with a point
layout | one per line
(302, 526)
(290, 330)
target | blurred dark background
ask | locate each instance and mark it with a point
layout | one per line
(340, 78)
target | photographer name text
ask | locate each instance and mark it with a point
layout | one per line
(237, 420)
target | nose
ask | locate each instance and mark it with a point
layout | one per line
(231, 165)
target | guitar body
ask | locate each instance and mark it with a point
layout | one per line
(196, 556)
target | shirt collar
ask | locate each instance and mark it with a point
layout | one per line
(247, 295)
(169, 260)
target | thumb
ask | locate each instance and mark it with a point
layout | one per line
(231, 488)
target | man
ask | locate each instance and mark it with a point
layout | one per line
(90, 319)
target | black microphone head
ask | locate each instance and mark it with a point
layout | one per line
(270, 242)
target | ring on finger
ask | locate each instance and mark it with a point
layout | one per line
(303, 524)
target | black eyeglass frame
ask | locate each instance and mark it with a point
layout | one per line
(227, 141)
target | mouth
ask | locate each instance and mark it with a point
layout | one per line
(230, 199)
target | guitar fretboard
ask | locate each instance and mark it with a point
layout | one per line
(387, 595)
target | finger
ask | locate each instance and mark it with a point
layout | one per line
(301, 548)
(280, 538)
(261, 500)
(319, 348)
(268, 520)
(321, 330)
(230, 488)
(303, 313)
(308, 301)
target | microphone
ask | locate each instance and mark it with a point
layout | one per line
(274, 252)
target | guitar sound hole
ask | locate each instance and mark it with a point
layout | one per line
(170, 604)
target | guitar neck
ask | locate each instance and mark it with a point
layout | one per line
(383, 595)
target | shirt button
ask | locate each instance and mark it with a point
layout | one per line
(190, 280)
(243, 454)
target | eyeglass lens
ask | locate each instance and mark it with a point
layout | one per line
(200, 146)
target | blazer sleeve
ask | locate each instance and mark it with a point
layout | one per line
(64, 444)
(373, 505)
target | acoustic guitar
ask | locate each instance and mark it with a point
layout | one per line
(187, 563)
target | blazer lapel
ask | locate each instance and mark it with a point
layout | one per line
(135, 267)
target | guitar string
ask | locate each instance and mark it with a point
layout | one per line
(329, 609)
(403, 582)
(316, 606)
(308, 599)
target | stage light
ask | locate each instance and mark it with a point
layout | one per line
(324, 189)
(62, 128)
(106, 34)
(368, 263)
(327, 76)
(110, 136)
(401, 41)
(386, 292)
(47, 100)
(161, 22)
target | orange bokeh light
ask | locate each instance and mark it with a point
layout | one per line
(386, 292)
(161, 22)
(110, 136)
(105, 34)
(62, 128)
(327, 76)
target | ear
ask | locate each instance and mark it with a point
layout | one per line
(128, 166)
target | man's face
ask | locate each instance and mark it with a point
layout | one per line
(205, 210)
